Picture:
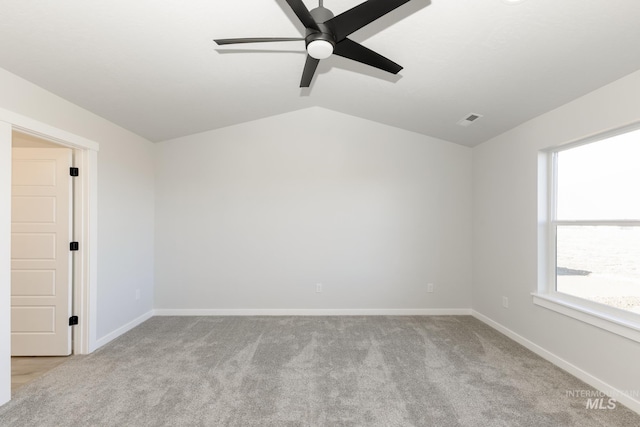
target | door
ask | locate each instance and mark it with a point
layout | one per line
(40, 256)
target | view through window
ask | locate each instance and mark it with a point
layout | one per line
(597, 221)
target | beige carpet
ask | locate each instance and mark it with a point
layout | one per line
(309, 371)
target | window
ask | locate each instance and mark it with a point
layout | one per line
(593, 229)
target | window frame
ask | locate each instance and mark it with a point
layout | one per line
(621, 322)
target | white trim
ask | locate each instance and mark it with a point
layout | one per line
(89, 304)
(124, 329)
(579, 310)
(599, 222)
(85, 232)
(622, 397)
(313, 312)
(546, 234)
(42, 130)
(552, 232)
(5, 262)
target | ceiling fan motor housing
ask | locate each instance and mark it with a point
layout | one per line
(320, 45)
(321, 14)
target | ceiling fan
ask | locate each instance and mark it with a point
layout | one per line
(326, 34)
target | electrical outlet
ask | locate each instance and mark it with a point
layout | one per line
(430, 287)
(137, 294)
(318, 287)
(505, 302)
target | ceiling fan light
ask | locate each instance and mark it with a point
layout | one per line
(320, 49)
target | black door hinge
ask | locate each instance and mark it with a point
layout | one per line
(73, 320)
(74, 171)
(74, 246)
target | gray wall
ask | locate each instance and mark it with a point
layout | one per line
(253, 216)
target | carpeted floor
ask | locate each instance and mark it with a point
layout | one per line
(309, 371)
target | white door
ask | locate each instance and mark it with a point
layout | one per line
(40, 256)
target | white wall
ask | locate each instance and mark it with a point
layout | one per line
(125, 200)
(253, 216)
(505, 233)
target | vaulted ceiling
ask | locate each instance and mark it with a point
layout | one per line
(152, 67)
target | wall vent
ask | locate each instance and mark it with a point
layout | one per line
(469, 119)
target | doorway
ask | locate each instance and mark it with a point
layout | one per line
(85, 231)
(41, 263)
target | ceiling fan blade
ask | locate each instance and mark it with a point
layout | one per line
(361, 15)
(309, 70)
(303, 14)
(257, 40)
(347, 48)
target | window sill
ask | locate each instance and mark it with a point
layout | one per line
(626, 326)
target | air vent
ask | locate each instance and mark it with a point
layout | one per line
(469, 119)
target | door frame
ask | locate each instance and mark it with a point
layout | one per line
(85, 231)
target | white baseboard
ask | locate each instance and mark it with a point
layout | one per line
(123, 329)
(314, 312)
(622, 397)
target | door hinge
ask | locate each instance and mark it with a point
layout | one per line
(73, 320)
(74, 171)
(74, 246)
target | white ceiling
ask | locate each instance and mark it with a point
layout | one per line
(151, 66)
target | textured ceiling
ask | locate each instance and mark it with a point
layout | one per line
(151, 66)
